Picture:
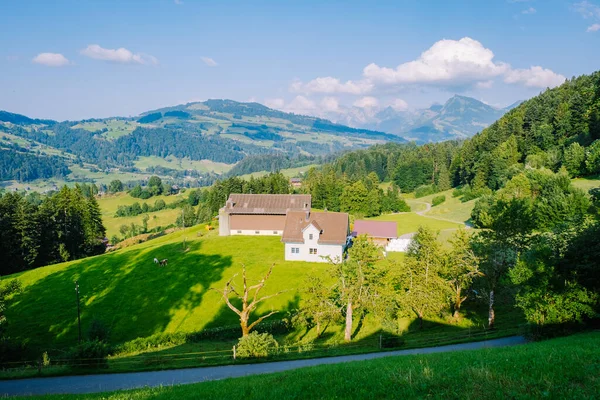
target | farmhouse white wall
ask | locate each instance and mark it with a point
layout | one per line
(252, 232)
(323, 250)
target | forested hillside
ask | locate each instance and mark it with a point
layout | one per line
(559, 128)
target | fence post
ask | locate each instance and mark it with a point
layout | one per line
(234, 352)
(380, 339)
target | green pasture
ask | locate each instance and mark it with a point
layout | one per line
(182, 164)
(410, 222)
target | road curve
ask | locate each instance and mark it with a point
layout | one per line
(111, 382)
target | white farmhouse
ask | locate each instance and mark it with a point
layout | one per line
(314, 236)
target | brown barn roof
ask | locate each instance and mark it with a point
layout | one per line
(277, 204)
(333, 226)
(376, 229)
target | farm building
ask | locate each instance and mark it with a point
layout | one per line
(312, 236)
(381, 232)
(259, 214)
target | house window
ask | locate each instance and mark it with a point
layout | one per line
(295, 250)
(257, 232)
(275, 232)
(310, 236)
(312, 251)
(239, 231)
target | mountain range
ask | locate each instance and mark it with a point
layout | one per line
(458, 118)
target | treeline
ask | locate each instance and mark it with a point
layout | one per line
(35, 231)
(560, 127)
(360, 197)
(21, 165)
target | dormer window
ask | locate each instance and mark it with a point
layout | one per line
(310, 236)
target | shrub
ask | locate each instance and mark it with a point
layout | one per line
(437, 200)
(89, 354)
(256, 345)
(425, 190)
(391, 342)
(98, 331)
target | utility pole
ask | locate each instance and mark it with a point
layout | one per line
(78, 310)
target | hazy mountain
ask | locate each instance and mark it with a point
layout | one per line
(459, 117)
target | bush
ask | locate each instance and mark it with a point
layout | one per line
(256, 345)
(437, 200)
(98, 331)
(425, 190)
(391, 342)
(89, 354)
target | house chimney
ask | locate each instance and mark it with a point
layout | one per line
(307, 216)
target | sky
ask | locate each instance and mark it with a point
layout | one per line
(92, 59)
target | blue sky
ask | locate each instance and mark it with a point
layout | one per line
(61, 59)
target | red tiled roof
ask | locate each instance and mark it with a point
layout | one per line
(277, 204)
(333, 226)
(376, 229)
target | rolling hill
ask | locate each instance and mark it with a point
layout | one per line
(191, 143)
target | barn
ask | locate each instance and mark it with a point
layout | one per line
(259, 214)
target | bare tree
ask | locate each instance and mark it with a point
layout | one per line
(247, 305)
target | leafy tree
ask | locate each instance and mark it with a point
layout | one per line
(319, 308)
(355, 199)
(423, 290)
(461, 269)
(358, 279)
(574, 159)
(592, 158)
(115, 186)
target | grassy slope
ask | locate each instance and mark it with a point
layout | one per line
(182, 164)
(137, 299)
(561, 368)
(109, 204)
(587, 183)
(410, 222)
(289, 172)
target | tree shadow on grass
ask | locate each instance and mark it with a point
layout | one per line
(126, 290)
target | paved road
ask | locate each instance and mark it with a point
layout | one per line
(111, 382)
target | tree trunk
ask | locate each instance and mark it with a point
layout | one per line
(348, 332)
(457, 302)
(244, 325)
(491, 314)
(318, 329)
(420, 320)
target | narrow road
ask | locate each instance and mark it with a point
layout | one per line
(112, 382)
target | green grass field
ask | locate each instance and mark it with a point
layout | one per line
(564, 368)
(587, 183)
(410, 222)
(182, 164)
(110, 203)
(289, 172)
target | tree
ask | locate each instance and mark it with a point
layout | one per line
(574, 158)
(460, 269)
(13, 286)
(115, 186)
(358, 279)
(423, 290)
(319, 306)
(355, 199)
(247, 305)
(592, 158)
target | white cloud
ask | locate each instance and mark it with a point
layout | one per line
(587, 9)
(593, 28)
(209, 61)
(399, 105)
(275, 103)
(484, 84)
(535, 76)
(330, 104)
(529, 10)
(51, 59)
(120, 55)
(446, 62)
(366, 102)
(301, 105)
(330, 85)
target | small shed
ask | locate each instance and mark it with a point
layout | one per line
(381, 232)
